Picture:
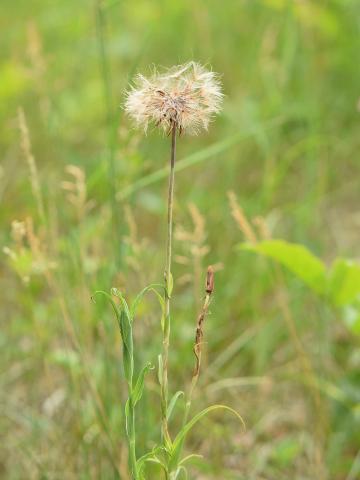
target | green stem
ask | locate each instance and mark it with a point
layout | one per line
(168, 285)
(132, 442)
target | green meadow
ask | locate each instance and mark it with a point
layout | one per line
(269, 197)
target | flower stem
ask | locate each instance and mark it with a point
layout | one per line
(132, 440)
(168, 289)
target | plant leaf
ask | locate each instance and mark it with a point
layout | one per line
(139, 387)
(111, 300)
(158, 462)
(117, 293)
(351, 316)
(178, 441)
(296, 258)
(141, 461)
(172, 403)
(176, 475)
(127, 340)
(344, 282)
(138, 298)
(160, 369)
(169, 285)
(125, 325)
(127, 416)
(190, 457)
(202, 155)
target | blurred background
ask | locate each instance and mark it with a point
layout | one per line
(83, 208)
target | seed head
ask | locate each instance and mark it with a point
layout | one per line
(184, 97)
(209, 286)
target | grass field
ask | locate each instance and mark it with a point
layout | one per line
(83, 198)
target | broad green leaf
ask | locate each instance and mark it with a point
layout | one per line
(172, 403)
(351, 315)
(13, 80)
(296, 258)
(178, 441)
(344, 282)
(139, 387)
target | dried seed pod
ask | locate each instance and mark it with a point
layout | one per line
(209, 280)
(209, 288)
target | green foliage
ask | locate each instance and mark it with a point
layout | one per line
(344, 282)
(287, 143)
(173, 402)
(139, 387)
(171, 463)
(177, 445)
(286, 451)
(339, 284)
(125, 321)
(296, 258)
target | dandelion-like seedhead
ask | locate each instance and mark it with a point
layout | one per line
(184, 97)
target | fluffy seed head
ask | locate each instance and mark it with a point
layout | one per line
(184, 97)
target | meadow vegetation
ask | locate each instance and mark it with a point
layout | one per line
(269, 198)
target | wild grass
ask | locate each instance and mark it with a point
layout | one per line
(286, 144)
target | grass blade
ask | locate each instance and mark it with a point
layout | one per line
(178, 441)
(139, 387)
(172, 403)
(194, 159)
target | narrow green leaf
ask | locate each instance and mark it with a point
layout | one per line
(139, 387)
(344, 282)
(190, 457)
(127, 416)
(158, 462)
(111, 300)
(172, 403)
(141, 461)
(202, 155)
(296, 258)
(176, 474)
(162, 305)
(117, 293)
(138, 298)
(124, 321)
(178, 441)
(127, 340)
(170, 285)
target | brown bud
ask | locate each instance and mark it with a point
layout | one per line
(209, 280)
